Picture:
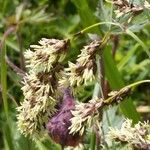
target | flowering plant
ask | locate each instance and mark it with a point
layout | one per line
(50, 88)
(49, 106)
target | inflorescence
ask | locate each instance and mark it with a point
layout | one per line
(40, 85)
(82, 119)
(84, 69)
(42, 93)
(137, 136)
(125, 7)
(49, 104)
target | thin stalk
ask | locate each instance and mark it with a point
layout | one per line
(22, 60)
(4, 80)
(93, 26)
(100, 75)
(98, 24)
(6, 33)
(109, 100)
(93, 141)
(4, 96)
(117, 96)
(127, 31)
(7, 129)
(13, 99)
(100, 71)
(10, 96)
(19, 71)
(115, 44)
(145, 48)
(137, 83)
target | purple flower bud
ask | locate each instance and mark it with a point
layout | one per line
(58, 125)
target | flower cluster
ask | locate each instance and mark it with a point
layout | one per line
(45, 56)
(84, 118)
(40, 86)
(117, 96)
(85, 67)
(137, 136)
(48, 105)
(81, 118)
(125, 7)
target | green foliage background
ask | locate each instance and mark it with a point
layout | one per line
(34, 19)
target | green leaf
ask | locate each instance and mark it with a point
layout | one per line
(7, 130)
(111, 70)
(116, 82)
(86, 14)
(136, 38)
(128, 56)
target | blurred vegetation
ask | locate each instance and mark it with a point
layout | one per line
(25, 22)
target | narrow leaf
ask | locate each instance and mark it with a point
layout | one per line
(127, 57)
(136, 38)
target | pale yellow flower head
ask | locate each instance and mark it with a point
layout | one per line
(40, 85)
(84, 70)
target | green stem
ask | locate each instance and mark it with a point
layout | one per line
(137, 83)
(98, 24)
(109, 100)
(93, 141)
(7, 128)
(4, 80)
(93, 26)
(99, 77)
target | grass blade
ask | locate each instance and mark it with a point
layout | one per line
(127, 57)
(4, 80)
(136, 38)
(7, 130)
(116, 82)
(86, 14)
